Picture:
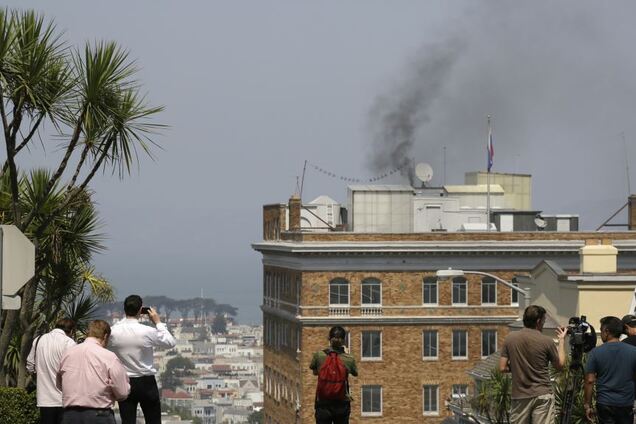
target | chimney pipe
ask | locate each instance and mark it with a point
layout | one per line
(294, 212)
(631, 216)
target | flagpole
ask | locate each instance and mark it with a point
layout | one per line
(488, 179)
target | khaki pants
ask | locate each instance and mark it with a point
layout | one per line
(536, 410)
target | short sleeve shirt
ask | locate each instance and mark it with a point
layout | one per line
(529, 352)
(614, 364)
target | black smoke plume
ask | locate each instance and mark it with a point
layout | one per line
(397, 116)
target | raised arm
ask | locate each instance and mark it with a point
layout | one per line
(561, 333)
(161, 337)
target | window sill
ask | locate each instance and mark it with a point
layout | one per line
(371, 414)
(460, 358)
(370, 359)
(431, 414)
(430, 358)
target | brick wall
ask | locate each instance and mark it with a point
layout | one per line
(274, 221)
(402, 372)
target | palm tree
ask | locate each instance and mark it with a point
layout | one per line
(493, 398)
(63, 260)
(92, 100)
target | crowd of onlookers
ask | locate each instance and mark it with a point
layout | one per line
(80, 383)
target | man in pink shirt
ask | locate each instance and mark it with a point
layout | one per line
(92, 379)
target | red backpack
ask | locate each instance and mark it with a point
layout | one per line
(332, 378)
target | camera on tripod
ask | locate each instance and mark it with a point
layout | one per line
(582, 337)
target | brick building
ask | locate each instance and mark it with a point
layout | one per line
(413, 335)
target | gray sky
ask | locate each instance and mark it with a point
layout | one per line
(252, 89)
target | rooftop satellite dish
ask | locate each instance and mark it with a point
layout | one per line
(424, 172)
(540, 222)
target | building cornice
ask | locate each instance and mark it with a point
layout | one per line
(463, 247)
(391, 320)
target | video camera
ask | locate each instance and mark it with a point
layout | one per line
(582, 337)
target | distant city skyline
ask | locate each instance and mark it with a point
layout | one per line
(253, 91)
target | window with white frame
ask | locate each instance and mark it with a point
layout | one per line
(460, 348)
(459, 291)
(431, 399)
(488, 291)
(488, 342)
(459, 391)
(339, 292)
(371, 292)
(429, 291)
(514, 295)
(371, 400)
(430, 344)
(371, 345)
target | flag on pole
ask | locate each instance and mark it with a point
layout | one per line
(489, 146)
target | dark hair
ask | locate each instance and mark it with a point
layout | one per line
(613, 325)
(337, 332)
(132, 305)
(98, 329)
(66, 324)
(532, 315)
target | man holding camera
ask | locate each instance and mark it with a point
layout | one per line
(526, 354)
(134, 344)
(611, 367)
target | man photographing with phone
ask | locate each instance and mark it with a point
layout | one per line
(134, 344)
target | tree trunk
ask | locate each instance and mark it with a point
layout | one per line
(5, 339)
(28, 325)
(25, 347)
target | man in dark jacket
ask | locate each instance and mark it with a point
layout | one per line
(334, 411)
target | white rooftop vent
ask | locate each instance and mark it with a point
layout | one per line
(469, 227)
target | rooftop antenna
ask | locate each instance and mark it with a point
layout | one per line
(424, 172)
(302, 181)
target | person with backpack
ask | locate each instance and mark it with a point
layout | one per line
(333, 366)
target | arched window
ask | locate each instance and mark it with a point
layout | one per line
(371, 292)
(459, 291)
(488, 291)
(339, 292)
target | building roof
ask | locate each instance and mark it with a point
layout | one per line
(169, 394)
(482, 370)
(323, 200)
(473, 189)
(381, 187)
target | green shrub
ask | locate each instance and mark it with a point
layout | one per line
(18, 407)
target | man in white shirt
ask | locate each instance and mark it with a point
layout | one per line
(134, 345)
(44, 361)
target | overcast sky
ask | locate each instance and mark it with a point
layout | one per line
(252, 89)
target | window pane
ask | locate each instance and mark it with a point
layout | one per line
(459, 290)
(371, 344)
(430, 344)
(459, 343)
(488, 342)
(339, 292)
(488, 290)
(514, 297)
(430, 398)
(459, 391)
(430, 290)
(372, 292)
(372, 399)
